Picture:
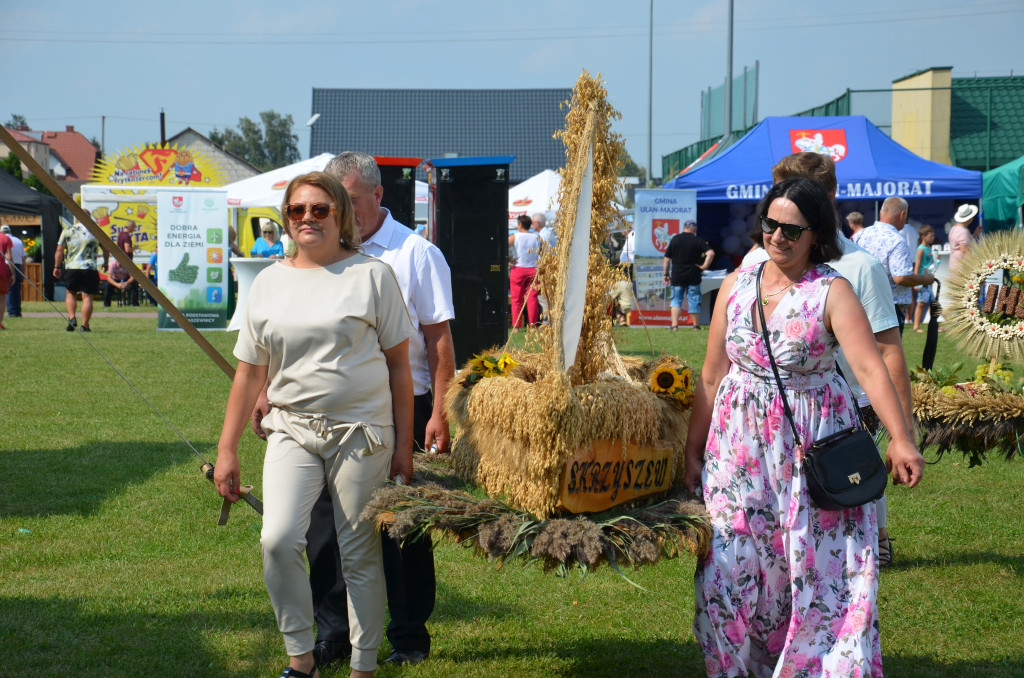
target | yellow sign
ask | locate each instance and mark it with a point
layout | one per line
(113, 216)
(600, 476)
(155, 165)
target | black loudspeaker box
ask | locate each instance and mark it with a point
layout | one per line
(470, 227)
(398, 178)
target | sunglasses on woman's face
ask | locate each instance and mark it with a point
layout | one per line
(789, 231)
(296, 210)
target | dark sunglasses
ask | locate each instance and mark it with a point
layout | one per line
(296, 210)
(789, 231)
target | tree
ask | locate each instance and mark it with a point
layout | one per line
(267, 144)
(631, 169)
(16, 121)
(12, 166)
(32, 181)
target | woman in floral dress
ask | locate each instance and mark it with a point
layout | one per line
(787, 589)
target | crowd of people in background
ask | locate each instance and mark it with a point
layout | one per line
(785, 584)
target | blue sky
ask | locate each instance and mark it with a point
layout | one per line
(208, 63)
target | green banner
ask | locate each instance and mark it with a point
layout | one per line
(192, 265)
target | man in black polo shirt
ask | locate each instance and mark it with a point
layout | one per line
(690, 256)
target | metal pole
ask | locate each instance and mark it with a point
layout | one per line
(757, 89)
(988, 132)
(650, 96)
(710, 109)
(103, 134)
(744, 97)
(702, 125)
(728, 77)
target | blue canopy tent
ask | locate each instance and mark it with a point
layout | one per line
(869, 168)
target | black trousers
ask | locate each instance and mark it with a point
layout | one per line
(131, 293)
(408, 570)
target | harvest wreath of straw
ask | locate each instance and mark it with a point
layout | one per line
(527, 422)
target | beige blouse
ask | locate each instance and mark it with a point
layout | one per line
(322, 333)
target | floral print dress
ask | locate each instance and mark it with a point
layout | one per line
(787, 589)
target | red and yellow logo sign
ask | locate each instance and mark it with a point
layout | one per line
(830, 142)
(155, 165)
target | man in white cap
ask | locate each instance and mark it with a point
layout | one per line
(18, 257)
(960, 235)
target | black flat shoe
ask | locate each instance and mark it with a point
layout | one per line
(328, 652)
(289, 672)
(410, 657)
(72, 324)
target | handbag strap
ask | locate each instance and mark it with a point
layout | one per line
(771, 356)
(775, 368)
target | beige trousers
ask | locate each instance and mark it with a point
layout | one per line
(353, 459)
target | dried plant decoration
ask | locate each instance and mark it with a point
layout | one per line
(515, 434)
(995, 330)
(985, 316)
(520, 414)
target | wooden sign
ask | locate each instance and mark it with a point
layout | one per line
(21, 219)
(600, 476)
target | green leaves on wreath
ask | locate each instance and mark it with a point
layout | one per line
(940, 376)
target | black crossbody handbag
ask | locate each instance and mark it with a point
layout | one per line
(843, 470)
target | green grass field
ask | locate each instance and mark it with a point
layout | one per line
(111, 561)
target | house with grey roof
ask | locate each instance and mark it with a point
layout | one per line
(439, 123)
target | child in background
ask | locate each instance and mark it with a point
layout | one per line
(923, 264)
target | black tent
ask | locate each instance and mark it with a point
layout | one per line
(17, 198)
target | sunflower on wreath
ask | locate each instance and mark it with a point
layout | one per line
(483, 366)
(674, 380)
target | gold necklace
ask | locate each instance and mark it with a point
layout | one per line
(765, 297)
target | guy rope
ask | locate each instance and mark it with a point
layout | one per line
(111, 247)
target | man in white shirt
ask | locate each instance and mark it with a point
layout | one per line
(18, 273)
(546, 232)
(628, 254)
(884, 242)
(425, 280)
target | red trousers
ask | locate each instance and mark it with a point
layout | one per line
(520, 282)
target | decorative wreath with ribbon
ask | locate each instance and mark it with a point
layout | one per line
(985, 317)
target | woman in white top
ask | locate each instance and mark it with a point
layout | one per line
(525, 248)
(327, 330)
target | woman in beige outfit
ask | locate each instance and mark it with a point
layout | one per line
(327, 331)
